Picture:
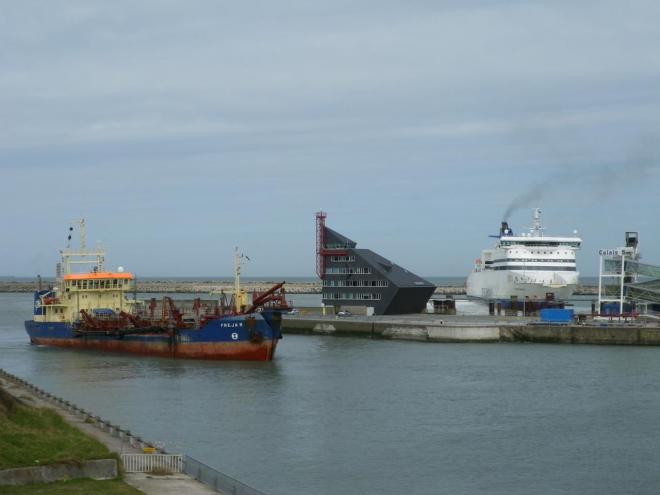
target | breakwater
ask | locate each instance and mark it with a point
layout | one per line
(476, 329)
(207, 286)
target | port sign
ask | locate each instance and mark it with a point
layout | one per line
(614, 252)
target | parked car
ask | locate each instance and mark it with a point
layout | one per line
(294, 311)
(344, 313)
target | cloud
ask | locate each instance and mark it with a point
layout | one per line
(385, 112)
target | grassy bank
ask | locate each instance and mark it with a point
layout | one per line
(31, 436)
(36, 436)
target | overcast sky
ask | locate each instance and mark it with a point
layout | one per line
(182, 129)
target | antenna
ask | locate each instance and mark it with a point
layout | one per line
(82, 234)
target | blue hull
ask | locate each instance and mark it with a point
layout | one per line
(243, 337)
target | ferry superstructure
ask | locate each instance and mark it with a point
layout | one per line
(528, 266)
(99, 310)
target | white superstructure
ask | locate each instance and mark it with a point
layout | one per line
(531, 265)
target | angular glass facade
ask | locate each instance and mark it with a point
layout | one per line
(361, 277)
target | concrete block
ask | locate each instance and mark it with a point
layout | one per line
(463, 334)
(324, 328)
(405, 333)
(100, 469)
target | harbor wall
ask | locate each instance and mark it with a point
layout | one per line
(391, 329)
(582, 334)
(608, 334)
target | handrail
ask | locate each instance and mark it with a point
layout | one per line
(145, 463)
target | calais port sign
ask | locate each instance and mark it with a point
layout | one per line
(614, 252)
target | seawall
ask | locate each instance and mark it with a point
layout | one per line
(475, 329)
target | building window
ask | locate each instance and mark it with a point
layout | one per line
(347, 259)
(349, 296)
(337, 246)
(334, 270)
(356, 283)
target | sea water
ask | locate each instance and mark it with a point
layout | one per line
(338, 415)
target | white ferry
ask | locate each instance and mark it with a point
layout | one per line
(526, 266)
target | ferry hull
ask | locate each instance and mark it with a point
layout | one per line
(493, 285)
(219, 340)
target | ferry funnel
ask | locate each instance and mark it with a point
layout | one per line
(505, 230)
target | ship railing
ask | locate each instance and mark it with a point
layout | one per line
(147, 463)
(215, 479)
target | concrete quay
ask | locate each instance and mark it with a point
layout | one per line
(436, 328)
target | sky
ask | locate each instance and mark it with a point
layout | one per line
(180, 130)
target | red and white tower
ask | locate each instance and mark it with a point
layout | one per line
(320, 244)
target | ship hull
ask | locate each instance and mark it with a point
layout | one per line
(505, 284)
(229, 338)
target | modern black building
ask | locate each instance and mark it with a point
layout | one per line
(359, 277)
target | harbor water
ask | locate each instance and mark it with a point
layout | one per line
(334, 415)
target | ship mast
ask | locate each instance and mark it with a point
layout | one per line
(239, 259)
(82, 255)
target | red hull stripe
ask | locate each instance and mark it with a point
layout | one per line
(244, 351)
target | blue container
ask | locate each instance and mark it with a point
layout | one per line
(552, 315)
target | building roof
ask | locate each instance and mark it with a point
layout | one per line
(334, 237)
(398, 275)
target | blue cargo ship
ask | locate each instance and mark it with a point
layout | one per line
(99, 310)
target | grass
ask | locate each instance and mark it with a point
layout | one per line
(36, 436)
(73, 487)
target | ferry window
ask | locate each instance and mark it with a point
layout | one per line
(114, 283)
(84, 284)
